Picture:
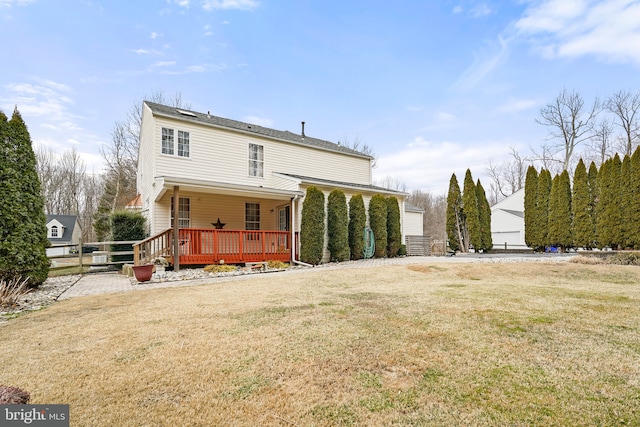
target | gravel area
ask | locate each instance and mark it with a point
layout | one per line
(41, 297)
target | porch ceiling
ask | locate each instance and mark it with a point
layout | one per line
(165, 183)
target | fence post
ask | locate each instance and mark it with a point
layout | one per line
(80, 256)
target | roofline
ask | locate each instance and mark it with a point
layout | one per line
(326, 183)
(231, 129)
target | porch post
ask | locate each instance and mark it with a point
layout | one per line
(292, 213)
(176, 228)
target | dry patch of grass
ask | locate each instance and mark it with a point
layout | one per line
(447, 344)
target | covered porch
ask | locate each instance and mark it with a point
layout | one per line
(219, 223)
(211, 246)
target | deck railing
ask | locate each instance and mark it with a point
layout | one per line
(212, 246)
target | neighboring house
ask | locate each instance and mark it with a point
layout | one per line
(507, 222)
(236, 189)
(417, 243)
(134, 205)
(62, 230)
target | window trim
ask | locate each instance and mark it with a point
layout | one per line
(251, 217)
(256, 166)
(182, 201)
(177, 141)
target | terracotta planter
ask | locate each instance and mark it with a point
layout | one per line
(143, 273)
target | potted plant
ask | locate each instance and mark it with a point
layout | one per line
(143, 272)
(161, 263)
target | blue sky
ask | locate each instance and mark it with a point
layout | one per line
(434, 87)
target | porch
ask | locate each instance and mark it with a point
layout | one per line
(201, 246)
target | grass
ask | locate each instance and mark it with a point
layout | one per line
(439, 344)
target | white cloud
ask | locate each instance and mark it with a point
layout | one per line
(428, 165)
(516, 105)
(457, 10)
(480, 10)
(443, 116)
(608, 29)
(207, 30)
(230, 4)
(146, 52)
(154, 35)
(10, 3)
(483, 64)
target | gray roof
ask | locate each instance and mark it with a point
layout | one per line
(281, 135)
(408, 207)
(68, 222)
(329, 182)
(512, 212)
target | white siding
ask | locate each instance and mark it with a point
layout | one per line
(223, 156)
(413, 224)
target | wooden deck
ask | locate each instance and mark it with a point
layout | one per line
(201, 246)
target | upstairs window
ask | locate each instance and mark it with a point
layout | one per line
(54, 231)
(169, 143)
(256, 160)
(183, 144)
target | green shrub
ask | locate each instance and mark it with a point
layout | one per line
(126, 226)
(378, 223)
(403, 250)
(338, 226)
(394, 230)
(312, 227)
(357, 223)
(220, 268)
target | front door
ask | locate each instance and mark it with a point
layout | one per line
(284, 224)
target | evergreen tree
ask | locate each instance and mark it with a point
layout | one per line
(603, 230)
(583, 226)
(592, 177)
(357, 224)
(312, 227)
(530, 193)
(24, 232)
(485, 218)
(457, 231)
(378, 223)
(471, 211)
(609, 218)
(560, 211)
(614, 209)
(338, 226)
(634, 204)
(625, 194)
(394, 230)
(542, 209)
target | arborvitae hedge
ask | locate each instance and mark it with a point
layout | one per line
(560, 212)
(23, 230)
(530, 195)
(634, 205)
(357, 224)
(338, 226)
(126, 226)
(456, 222)
(582, 226)
(592, 177)
(484, 215)
(312, 227)
(378, 223)
(394, 230)
(625, 195)
(542, 209)
(471, 211)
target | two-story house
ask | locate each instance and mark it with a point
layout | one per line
(63, 231)
(219, 190)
